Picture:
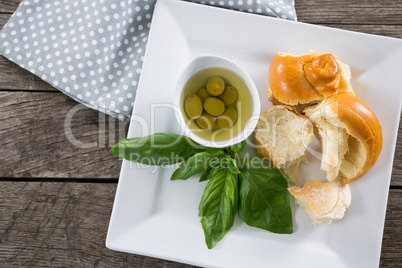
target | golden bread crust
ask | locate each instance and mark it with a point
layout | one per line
(302, 79)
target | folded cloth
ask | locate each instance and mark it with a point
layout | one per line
(93, 50)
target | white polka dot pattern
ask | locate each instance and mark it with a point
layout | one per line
(93, 50)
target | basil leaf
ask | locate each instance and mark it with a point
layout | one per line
(208, 173)
(158, 149)
(238, 148)
(218, 206)
(264, 198)
(192, 165)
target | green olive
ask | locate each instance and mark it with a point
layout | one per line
(214, 106)
(193, 106)
(215, 85)
(227, 119)
(229, 95)
(206, 121)
(203, 94)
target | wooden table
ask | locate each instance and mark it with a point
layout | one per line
(56, 199)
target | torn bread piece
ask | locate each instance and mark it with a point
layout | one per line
(323, 202)
(283, 135)
(350, 136)
(334, 143)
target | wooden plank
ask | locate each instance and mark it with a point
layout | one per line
(15, 78)
(338, 12)
(392, 237)
(324, 11)
(366, 12)
(35, 144)
(59, 225)
(9, 6)
(52, 224)
(39, 147)
(396, 178)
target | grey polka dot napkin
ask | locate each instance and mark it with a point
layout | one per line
(92, 50)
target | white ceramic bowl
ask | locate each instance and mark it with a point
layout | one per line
(241, 130)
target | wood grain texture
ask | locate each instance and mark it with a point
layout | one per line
(396, 178)
(9, 6)
(61, 225)
(15, 78)
(367, 12)
(323, 11)
(55, 224)
(35, 144)
(392, 237)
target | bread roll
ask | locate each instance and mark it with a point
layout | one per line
(283, 135)
(350, 135)
(305, 80)
(323, 202)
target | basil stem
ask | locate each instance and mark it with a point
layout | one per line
(238, 148)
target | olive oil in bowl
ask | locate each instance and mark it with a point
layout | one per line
(243, 104)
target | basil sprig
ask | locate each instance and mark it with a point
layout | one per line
(250, 186)
(159, 149)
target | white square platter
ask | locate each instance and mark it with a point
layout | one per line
(156, 217)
